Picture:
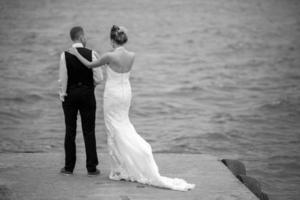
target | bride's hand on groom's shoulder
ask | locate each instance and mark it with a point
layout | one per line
(73, 51)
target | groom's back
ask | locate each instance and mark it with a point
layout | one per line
(78, 74)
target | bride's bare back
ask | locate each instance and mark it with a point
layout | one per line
(121, 60)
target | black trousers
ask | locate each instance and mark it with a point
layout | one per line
(82, 99)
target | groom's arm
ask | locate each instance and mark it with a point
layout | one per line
(63, 77)
(97, 72)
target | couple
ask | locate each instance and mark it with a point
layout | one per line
(130, 155)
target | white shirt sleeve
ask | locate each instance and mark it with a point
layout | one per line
(97, 72)
(63, 77)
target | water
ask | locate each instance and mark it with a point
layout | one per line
(217, 77)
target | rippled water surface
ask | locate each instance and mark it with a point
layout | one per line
(218, 77)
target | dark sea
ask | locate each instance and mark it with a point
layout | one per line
(214, 77)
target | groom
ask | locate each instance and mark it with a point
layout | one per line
(77, 84)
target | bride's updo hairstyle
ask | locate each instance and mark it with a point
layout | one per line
(118, 34)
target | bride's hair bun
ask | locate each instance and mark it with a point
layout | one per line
(118, 34)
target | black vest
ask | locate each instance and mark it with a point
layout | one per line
(79, 74)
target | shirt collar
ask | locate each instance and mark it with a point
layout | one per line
(77, 44)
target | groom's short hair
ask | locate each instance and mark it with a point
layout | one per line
(75, 32)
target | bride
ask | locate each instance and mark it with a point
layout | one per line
(131, 156)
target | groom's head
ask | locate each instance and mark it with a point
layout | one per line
(77, 35)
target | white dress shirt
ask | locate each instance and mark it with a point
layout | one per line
(63, 74)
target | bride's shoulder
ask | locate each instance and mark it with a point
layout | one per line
(109, 54)
(130, 53)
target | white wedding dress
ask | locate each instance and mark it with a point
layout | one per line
(131, 156)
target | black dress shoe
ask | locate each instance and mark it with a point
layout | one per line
(65, 172)
(94, 173)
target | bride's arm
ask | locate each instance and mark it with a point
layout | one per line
(97, 63)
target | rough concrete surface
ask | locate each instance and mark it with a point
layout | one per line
(35, 176)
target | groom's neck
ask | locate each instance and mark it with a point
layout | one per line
(76, 42)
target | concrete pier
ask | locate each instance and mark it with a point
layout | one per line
(35, 176)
